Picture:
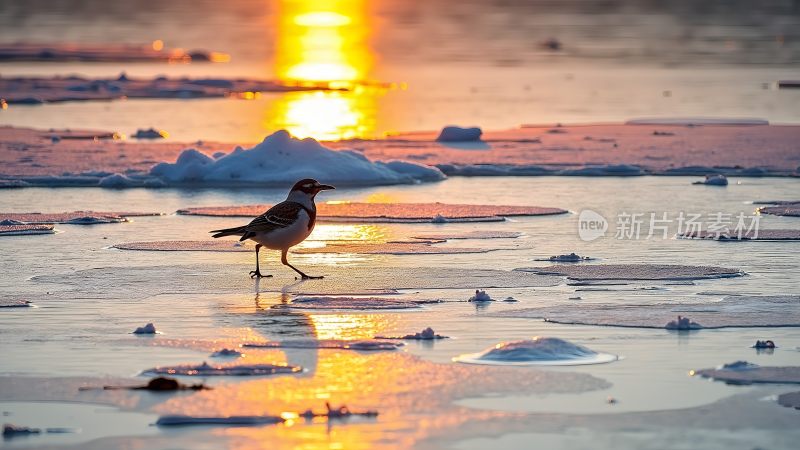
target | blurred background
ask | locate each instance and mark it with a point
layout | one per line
(421, 65)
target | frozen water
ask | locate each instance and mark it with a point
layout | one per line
(614, 170)
(331, 344)
(14, 303)
(74, 218)
(207, 370)
(537, 351)
(598, 272)
(742, 372)
(714, 180)
(571, 257)
(150, 133)
(683, 324)
(187, 246)
(784, 208)
(476, 234)
(355, 303)
(25, 229)
(226, 352)
(181, 420)
(735, 311)
(282, 159)
(147, 329)
(387, 212)
(790, 400)
(480, 296)
(459, 134)
(425, 335)
(690, 121)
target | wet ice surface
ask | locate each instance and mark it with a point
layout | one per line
(782, 208)
(544, 351)
(735, 311)
(73, 218)
(601, 272)
(187, 246)
(761, 235)
(25, 229)
(389, 212)
(205, 301)
(330, 344)
(237, 370)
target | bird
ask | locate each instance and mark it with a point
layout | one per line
(284, 225)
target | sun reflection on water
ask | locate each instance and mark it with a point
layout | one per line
(324, 41)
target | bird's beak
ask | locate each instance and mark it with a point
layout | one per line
(325, 187)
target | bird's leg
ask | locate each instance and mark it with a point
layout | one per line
(257, 272)
(302, 275)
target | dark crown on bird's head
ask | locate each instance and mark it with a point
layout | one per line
(310, 186)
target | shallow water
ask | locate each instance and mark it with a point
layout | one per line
(204, 301)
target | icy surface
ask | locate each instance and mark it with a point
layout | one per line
(459, 134)
(387, 212)
(784, 208)
(75, 217)
(25, 229)
(480, 296)
(180, 420)
(282, 159)
(425, 335)
(476, 234)
(682, 323)
(207, 370)
(596, 272)
(761, 235)
(571, 257)
(331, 344)
(790, 400)
(743, 372)
(150, 133)
(355, 303)
(14, 303)
(138, 282)
(187, 246)
(689, 121)
(537, 351)
(735, 311)
(226, 352)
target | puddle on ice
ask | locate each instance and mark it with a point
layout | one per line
(539, 351)
(635, 272)
(139, 282)
(85, 422)
(389, 212)
(734, 311)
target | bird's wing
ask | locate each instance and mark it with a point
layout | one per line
(279, 216)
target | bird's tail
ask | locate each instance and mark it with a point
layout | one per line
(236, 231)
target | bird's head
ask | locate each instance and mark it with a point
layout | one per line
(309, 187)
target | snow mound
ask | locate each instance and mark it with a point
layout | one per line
(330, 344)
(282, 159)
(458, 134)
(147, 329)
(207, 370)
(477, 234)
(537, 351)
(714, 180)
(743, 372)
(635, 272)
(25, 229)
(350, 303)
(739, 311)
(694, 121)
(181, 420)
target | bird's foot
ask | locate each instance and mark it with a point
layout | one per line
(309, 277)
(257, 274)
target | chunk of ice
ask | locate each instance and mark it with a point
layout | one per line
(537, 351)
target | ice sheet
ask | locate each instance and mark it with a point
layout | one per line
(599, 272)
(762, 235)
(539, 351)
(73, 218)
(755, 374)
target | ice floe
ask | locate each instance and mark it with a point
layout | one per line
(731, 312)
(186, 246)
(545, 351)
(183, 420)
(480, 296)
(743, 372)
(25, 229)
(281, 159)
(150, 133)
(790, 400)
(158, 384)
(569, 258)
(425, 335)
(754, 235)
(147, 329)
(207, 370)
(782, 208)
(69, 52)
(599, 272)
(330, 344)
(768, 344)
(10, 431)
(388, 212)
(459, 134)
(388, 248)
(692, 121)
(73, 218)
(605, 170)
(227, 352)
(14, 303)
(476, 234)
(714, 180)
(354, 303)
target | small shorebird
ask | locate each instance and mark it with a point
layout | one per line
(284, 225)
